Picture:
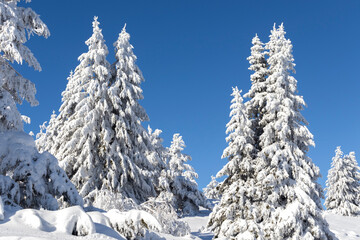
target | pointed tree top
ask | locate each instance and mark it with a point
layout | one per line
(123, 36)
(338, 150)
(255, 39)
(274, 27)
(281, 29)
(237, 93)
(281, 26)
(124, 29)
(96, 22)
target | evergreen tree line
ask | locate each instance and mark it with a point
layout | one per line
(96, 152)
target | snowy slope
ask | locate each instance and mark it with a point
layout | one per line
(29, 224)
(347, 228)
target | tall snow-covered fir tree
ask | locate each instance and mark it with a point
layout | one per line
(137, 156)
(27, 178)
(257, 92)
(76, 135)
(343, 185)
(286, 176)
(235, 217)
(177, 182)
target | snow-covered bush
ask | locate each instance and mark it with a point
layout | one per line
(134, 224)
(32, 179)
(343, 185)
(166, 215)
(107, 200)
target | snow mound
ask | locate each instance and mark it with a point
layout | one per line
(72, 220)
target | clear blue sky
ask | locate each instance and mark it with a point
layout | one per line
(192, 53)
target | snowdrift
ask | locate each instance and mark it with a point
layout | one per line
(72, 220)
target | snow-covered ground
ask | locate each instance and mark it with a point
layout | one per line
(31, 224)
(347, 228)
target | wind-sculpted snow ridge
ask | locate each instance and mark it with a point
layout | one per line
(32, 179)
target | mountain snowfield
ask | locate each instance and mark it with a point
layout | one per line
(30, 224)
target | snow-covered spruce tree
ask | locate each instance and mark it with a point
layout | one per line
(257, 92)
(343, 185)
(42, 136)
(210, 190)
(80, 144)
(235, 217)
(83, 142)
(157, 155)
(27, 178)
(287, 177)
(177, 182)
(138, 159)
